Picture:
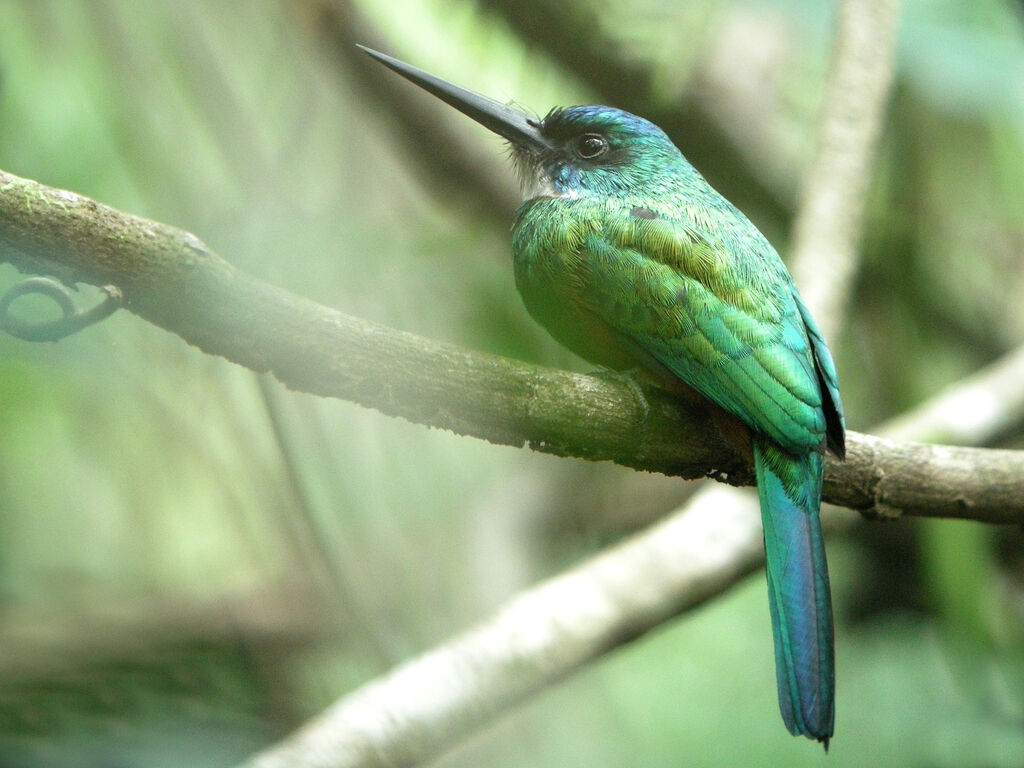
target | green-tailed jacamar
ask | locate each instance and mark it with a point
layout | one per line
(630, 259)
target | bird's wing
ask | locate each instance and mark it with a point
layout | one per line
(727, 324)
(829, 380)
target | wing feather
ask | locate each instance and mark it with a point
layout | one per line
(737, 336)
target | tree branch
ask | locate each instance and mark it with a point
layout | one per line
(172, 279)
(831, 213)
(59, 646)
(988, 403)
(545, 633)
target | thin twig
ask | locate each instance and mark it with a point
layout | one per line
(71, 321)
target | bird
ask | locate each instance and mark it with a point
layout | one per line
(629, 258)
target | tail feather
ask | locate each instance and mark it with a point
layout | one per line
(798, 590)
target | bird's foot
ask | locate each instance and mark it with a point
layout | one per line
(628, 378)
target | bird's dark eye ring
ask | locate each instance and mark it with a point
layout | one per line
(591, 145)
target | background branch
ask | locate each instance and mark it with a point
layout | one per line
(423, 706)
(830, 217)
(972, 411)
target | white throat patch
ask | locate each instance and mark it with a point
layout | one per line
(539, 185)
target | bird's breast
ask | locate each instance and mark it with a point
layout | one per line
(550, 265)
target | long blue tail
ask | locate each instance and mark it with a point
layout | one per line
(798, 591)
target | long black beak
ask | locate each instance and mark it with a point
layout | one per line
(516, 126)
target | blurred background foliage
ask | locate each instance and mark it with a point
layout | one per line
(193, 560)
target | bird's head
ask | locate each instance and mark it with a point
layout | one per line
(595, 149)
(571, 152)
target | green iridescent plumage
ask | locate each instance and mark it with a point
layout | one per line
(717, 311)
(628, 257)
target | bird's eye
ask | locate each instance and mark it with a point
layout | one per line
(591, 145)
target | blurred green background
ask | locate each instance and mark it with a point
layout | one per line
(194, 560)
